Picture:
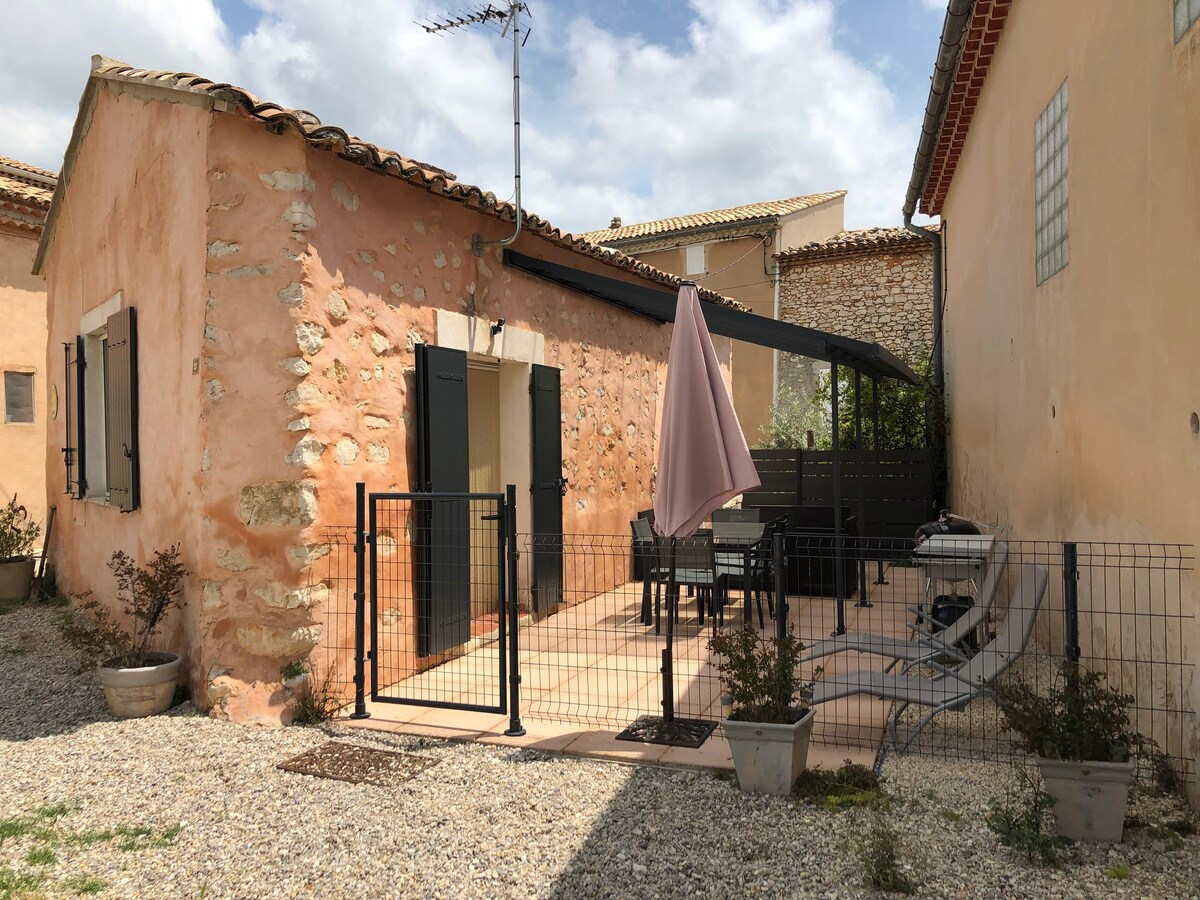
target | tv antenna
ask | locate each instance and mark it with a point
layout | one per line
(504, 20)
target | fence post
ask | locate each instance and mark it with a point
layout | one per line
(515, 729)
(778, 561)
(360, 601)
(1071, 600)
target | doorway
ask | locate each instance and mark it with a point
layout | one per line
(484, 462)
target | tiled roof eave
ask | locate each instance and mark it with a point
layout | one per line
(678, 227)
(978, 47)
(236, 100)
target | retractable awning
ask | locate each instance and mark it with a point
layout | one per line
(659, 305)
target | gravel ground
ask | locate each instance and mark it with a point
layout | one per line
(179, 805)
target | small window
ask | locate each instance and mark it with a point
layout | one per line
(1050, 141)
(18, 397)
(1187, 13)
(695, 259)
(101, 400)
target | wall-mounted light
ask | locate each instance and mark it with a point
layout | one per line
(498, 327)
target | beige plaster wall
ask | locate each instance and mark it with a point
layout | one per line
(1070, 403)
(745, 272)
(23, 349)
(134, 223)
(879, 296)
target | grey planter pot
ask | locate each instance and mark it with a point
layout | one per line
(16, 579)
(768, 758)
(1089, 798)
(144, 691)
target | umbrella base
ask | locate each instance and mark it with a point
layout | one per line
(672, 732)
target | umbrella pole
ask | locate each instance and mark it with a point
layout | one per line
(668, 673)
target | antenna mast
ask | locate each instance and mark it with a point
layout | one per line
(502, 21)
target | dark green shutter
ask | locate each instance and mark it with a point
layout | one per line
(120, 410)
(74, 453)
(443, 582)
(547, 487)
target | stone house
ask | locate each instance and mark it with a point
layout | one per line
(260, 303)
(873, 284)
(1064, 161)
(24, 199)
(731, 251)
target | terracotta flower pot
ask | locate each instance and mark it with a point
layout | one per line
(16, 578)
(1089, 798)
(142, 691)
(768, 758)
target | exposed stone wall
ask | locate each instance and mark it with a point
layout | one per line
(323, 279)
(257, 608)
(879, 296)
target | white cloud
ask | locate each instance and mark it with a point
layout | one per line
(755, 103)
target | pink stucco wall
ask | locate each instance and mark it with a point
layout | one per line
(134, 223)
(23, 349)
(300, 284)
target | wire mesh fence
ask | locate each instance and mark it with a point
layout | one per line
(893, 632)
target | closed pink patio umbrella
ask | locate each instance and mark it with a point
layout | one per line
(703, 462)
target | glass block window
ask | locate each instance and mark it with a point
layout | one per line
(1050, 140)
(18, 397)
(1187, 13)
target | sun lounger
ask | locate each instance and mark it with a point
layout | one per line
(925, 644)
(954, 687)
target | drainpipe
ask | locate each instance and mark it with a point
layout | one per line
(958, 16)
(935, 241)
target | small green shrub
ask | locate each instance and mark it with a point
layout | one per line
(294, 669)
(1120, 872)
(759, 674)
(18, 533)
(850, 786)
(1019, 821)
(1079, 718)
(879, 852)
(147, 594)
(316, 702)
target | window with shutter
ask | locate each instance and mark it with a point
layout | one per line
(74, 454)
(101, 402)
(120, 410)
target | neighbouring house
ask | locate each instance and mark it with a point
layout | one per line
(872, 284)
(24, 199)
(251, 311)
(1061, 147)
(731, 251)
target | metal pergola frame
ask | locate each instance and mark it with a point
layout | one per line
(870, 359)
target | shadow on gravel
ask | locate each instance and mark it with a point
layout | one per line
(42, 691)
(719, 842)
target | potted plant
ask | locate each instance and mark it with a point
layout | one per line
(1080, 735)
(769, 722)
(137, 681)
(17, 535)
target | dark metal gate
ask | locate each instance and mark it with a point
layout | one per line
(436, 610)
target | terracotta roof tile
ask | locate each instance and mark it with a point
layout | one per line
(370, 156)
(25, 193)
(863, 240)
(732, 216)
(975, 58)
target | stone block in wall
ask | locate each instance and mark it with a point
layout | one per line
(278, 504)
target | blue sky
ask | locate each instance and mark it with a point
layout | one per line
(636, 108)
